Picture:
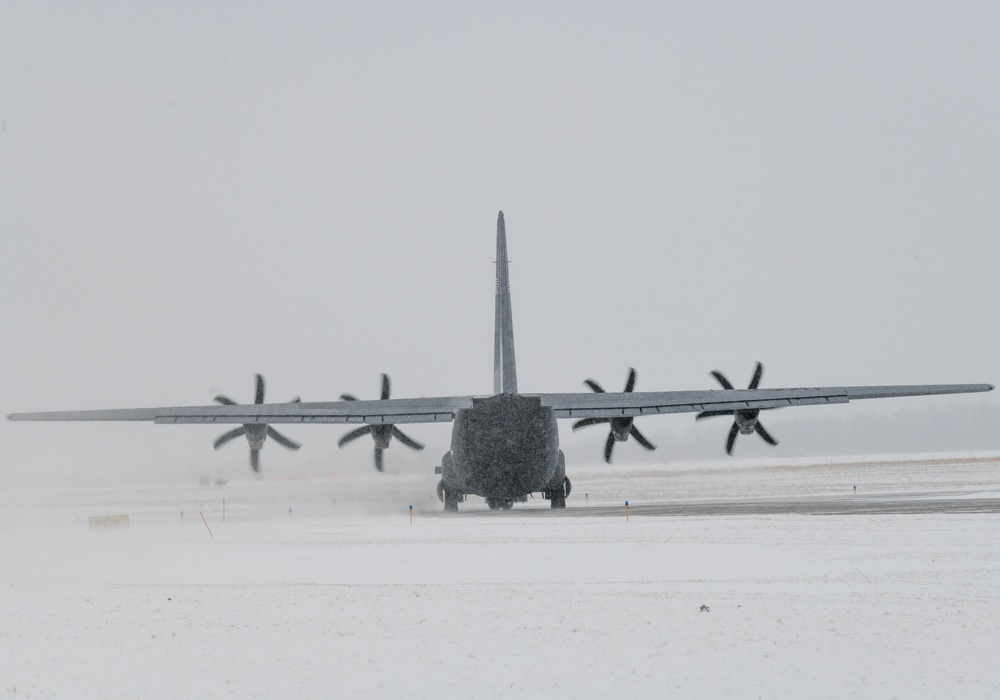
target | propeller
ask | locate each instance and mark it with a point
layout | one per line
(745, 422)
(256, 433)
(382, 433)
(621, 428)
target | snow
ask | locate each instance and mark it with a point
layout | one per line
(344, 597)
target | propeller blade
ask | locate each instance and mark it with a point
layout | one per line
(385, 387)
(608, 447)
(764, 434)
(354, 435)
(712, 414)
(757, 373)
(259, 398)
(641, 439)
(594, 386)
(225, 400)
(231, 435)
(721, 379)
(589, 421)
(406, 439)
(733, 432)
(378, 458)
(255, 460)
(348, 397)
(281, 439)
(630, 382)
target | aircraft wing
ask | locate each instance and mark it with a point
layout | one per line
(428, 410)
(611, 405)
(443, 409)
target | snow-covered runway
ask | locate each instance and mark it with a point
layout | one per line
(916, 503)
(339, 598)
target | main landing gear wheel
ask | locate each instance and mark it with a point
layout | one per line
(557, 499)
(450, 500)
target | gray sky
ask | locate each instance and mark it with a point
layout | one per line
(192, 194)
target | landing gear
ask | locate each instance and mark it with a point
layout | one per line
(560, 486)
(557, 498)
(449, 498)
(500, 503)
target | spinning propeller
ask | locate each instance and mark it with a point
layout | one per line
(621, 428)
(255, 432)
(744, 421)
(382, 433)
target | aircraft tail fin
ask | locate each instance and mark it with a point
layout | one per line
(504, 371)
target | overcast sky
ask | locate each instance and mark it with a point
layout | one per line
(191, 193)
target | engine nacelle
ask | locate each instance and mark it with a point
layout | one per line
(382, 434)
(256, 433)
(620, 428)
(746, 421)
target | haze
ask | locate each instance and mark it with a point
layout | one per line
(192, 194)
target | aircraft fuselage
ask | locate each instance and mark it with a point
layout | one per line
(504, 448)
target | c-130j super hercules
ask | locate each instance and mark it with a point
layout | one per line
(504, 447)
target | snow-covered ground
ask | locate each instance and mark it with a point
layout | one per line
(323, 588)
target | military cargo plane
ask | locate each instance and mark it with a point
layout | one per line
(504, 446)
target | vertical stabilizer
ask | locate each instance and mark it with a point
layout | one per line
(504, 372)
